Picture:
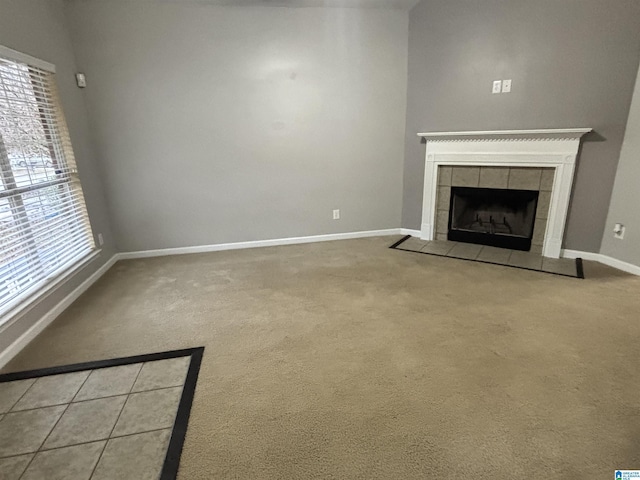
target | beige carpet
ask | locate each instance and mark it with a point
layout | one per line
(349, 360)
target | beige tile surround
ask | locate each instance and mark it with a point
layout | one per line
(513, 178)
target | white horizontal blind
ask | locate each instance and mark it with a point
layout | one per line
(44, 228)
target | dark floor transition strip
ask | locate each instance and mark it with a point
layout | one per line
(406, 237)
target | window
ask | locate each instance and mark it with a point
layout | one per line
(44, 228)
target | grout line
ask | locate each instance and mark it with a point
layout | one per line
(95, 440)
(52, 429)
(153, 389)
(93, 470)
(106, 396)
(127, 394)
(39, 408)
(145, 431)
(22, 396)
(117, 420)
(115, 394)
(99, 398)
(125, 403)
(453, 244)
(60, 418)
(42, 450)
(120, 415)
(14, 455)
(103, 439)
(96, 398)
(137, 376)
(72, 402)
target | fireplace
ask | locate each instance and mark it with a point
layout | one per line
(493, 216)
(486, 155)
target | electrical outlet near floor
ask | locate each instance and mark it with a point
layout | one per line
(336, 214)
(618, 231)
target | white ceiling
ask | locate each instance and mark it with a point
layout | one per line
(386, 4)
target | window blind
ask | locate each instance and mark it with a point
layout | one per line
(44, 227)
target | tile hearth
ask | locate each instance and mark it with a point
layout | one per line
(112, 422)
(493, 255)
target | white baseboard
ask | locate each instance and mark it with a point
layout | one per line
(12, 350)
(408, 231)
(578, 254)
(258, 243)
(605, 259)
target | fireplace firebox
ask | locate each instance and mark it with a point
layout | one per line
(491, 216)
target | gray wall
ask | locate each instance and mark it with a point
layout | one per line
(38, 28)
(625, 201)
(227, 124)
(573, 64)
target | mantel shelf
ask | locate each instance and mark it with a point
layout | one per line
(495, 134)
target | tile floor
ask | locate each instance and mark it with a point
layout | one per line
(500, 256)
(104, 424)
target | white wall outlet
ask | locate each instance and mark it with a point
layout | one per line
(81, 80)
(506, 86)
(618, 231)
(497, 86)
(336, 214)
(100, 239)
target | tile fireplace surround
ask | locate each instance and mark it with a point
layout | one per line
(540, 158)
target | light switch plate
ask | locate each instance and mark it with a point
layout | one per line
(497, 86)
(506, 86)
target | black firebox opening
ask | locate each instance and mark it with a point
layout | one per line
(492, 216)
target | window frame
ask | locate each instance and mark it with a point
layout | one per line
(65, 177)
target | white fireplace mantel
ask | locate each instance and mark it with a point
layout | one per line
(550, 148)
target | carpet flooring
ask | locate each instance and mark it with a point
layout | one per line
(350, 360)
